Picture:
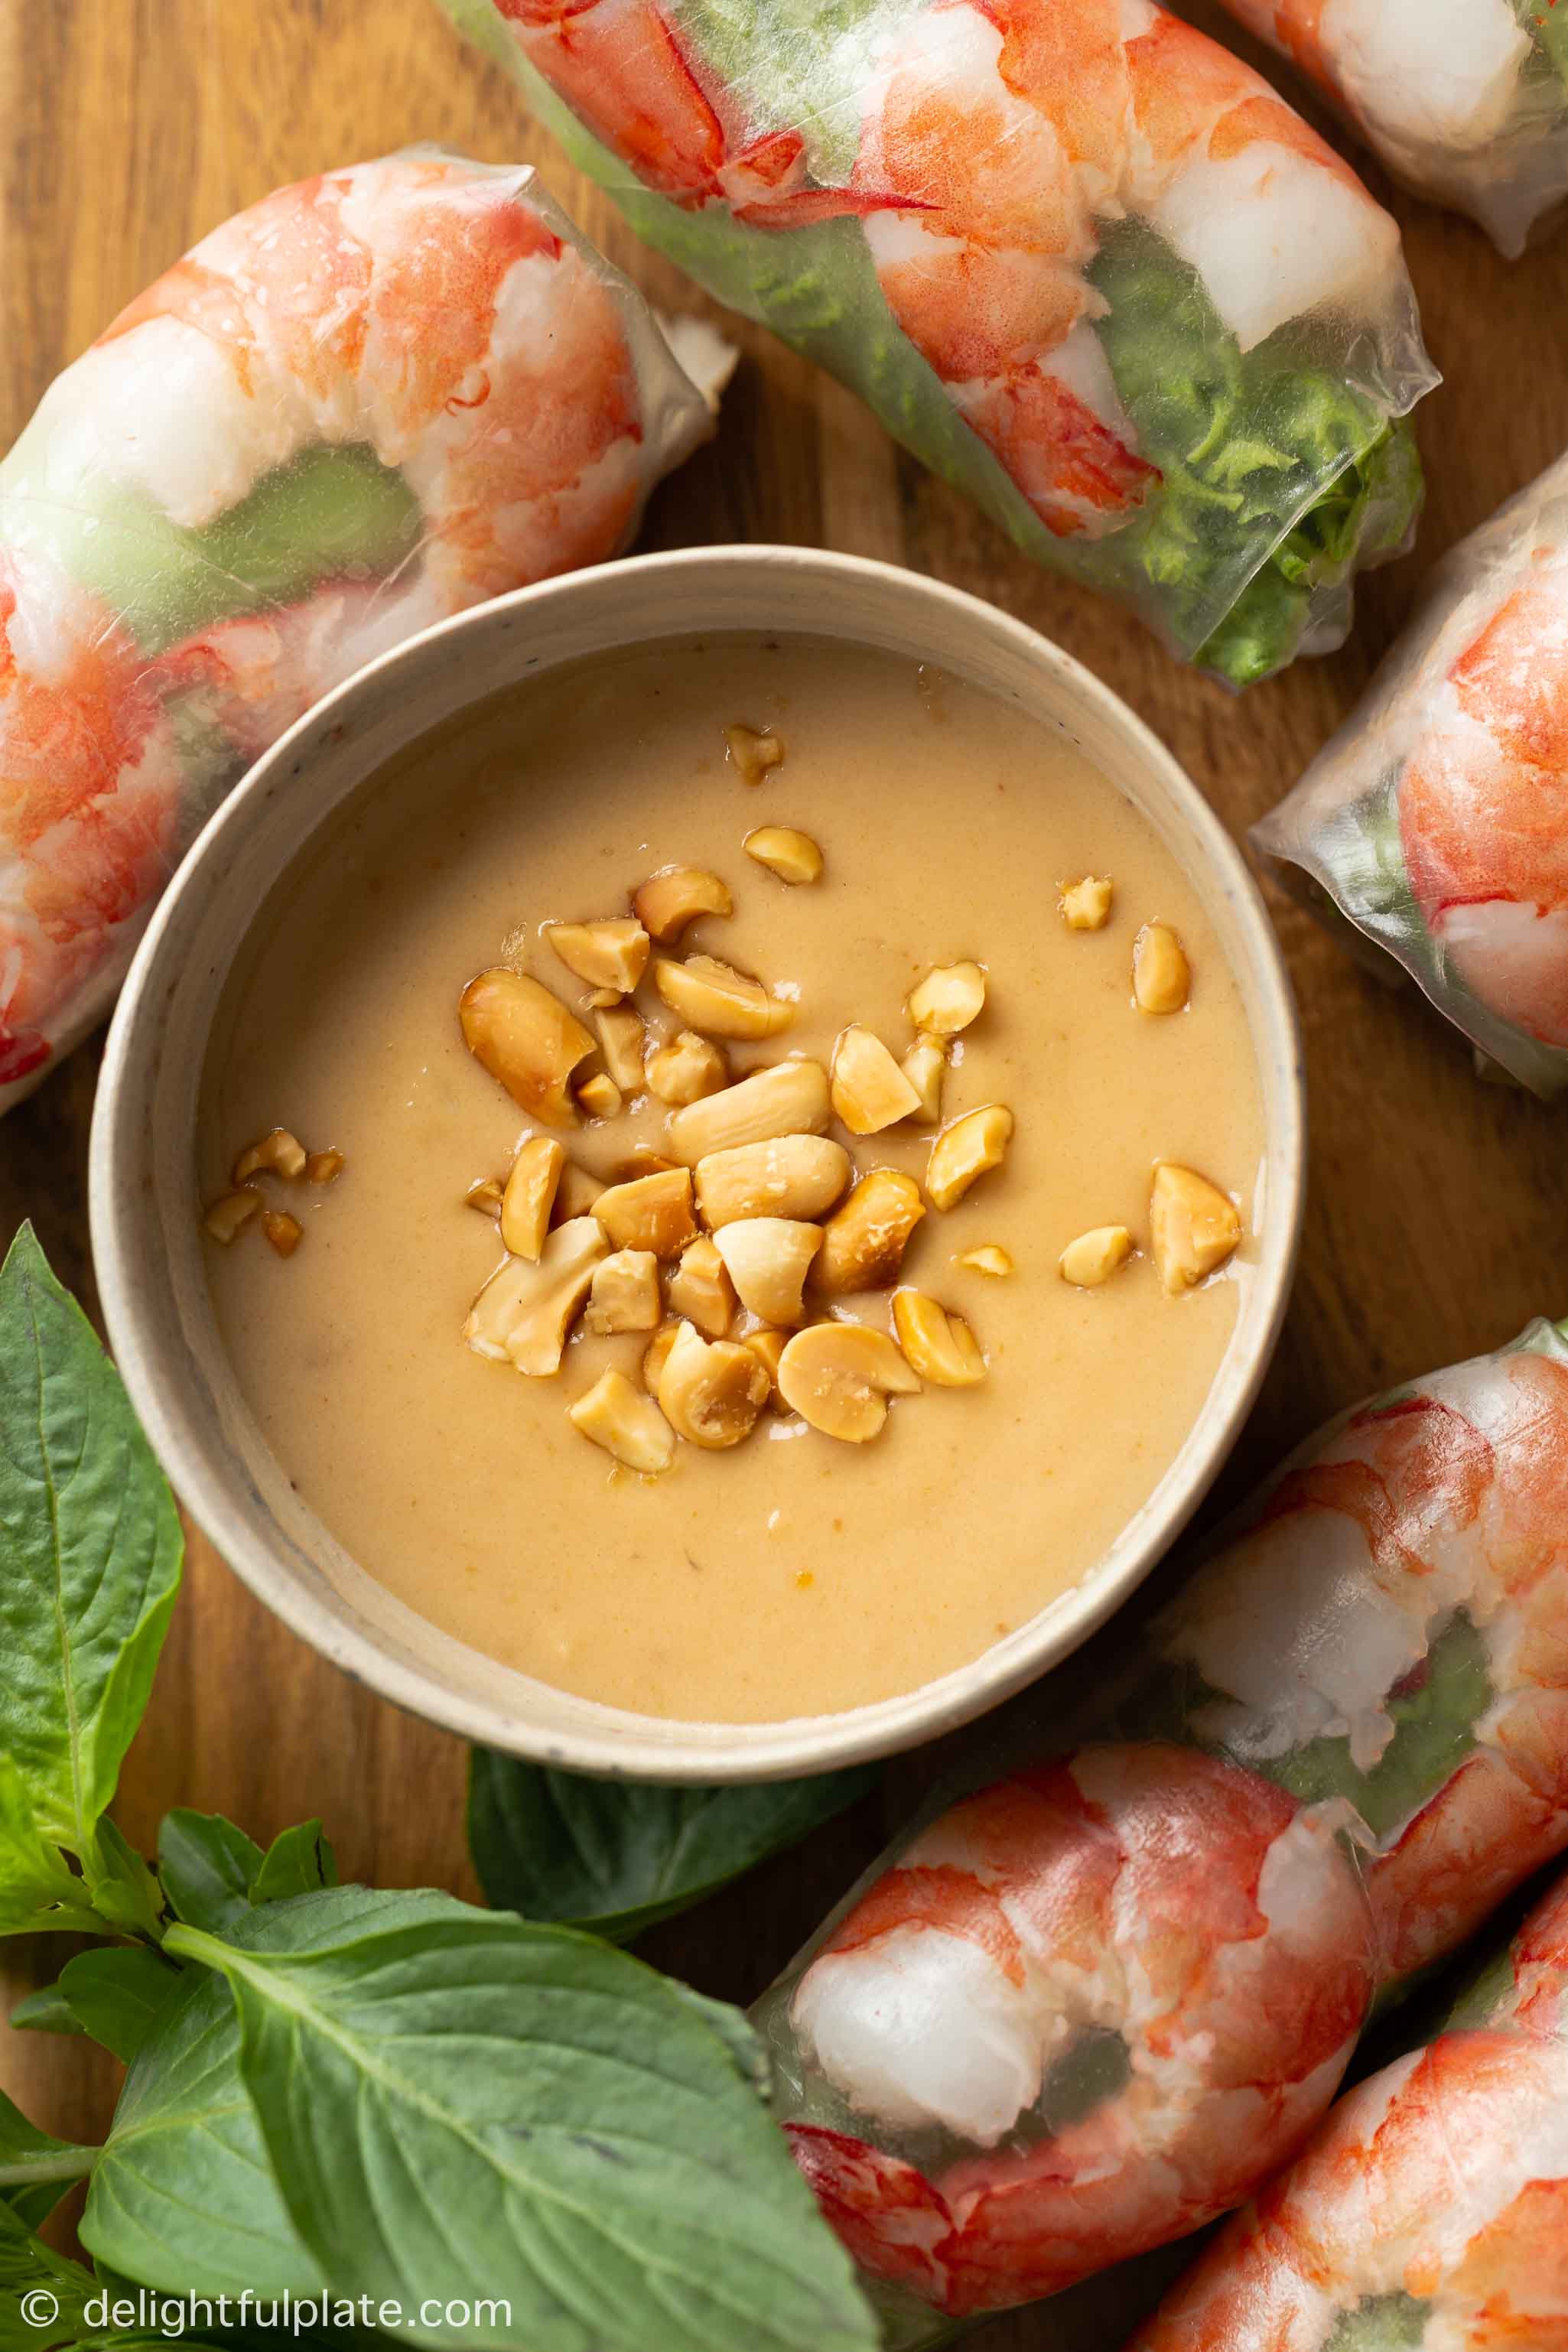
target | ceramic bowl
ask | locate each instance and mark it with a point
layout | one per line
(146, 1231)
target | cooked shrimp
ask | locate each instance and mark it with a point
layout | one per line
(1143, 1914)
(418, 308)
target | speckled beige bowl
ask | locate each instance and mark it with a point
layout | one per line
(145, 1229)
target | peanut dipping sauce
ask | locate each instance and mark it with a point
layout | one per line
(792, 1574)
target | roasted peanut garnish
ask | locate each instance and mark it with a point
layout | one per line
(947, 999)
(675, 896)
(1161, 979)
(612, 953)
(925, 1066)
(1086, 905)
(530, 1196)
(526, 1038)
(1193, 1225)
(621, 1036)
(651, 1213)
(686, 1070)
(282, 1153)
(629, 1426)
(699, 1288)
(624, 1295)
(788, 1176)
(863, 1243)
(642, 1162)
(788, 1099)
(753, 754)
(600, 999)
(711, 1393)
(225, 1216)
(284, 1233)
(868, 1090)
(600, 1096)
(523, 1313)
(719, 1001)
(767, 1258)
(575, 1194)
(937, 1344)
(1095, 1257)
(989, 1258)
(768, 1345)
(840, 1376)
(965, 1150)
(654, 1354)
(486, 1196)
(792, 857)
(323, 1167)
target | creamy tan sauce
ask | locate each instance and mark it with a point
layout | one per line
(792, 1575)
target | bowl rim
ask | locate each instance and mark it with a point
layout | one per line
(797, 1744)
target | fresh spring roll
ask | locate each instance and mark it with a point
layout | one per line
(367, 403)
(1428, 2213)
(1465, 100)
(1081, 261)
(1089, 2009)
(1437, 819)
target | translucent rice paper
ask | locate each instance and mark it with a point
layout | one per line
(370, 400)
(1436, 820)
(1085, 2010)
(1430, 2208)
(1080, 261)
(1465, 100)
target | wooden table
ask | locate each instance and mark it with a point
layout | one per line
(1436, 1224)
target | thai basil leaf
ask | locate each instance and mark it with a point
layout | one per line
(298, 1862)
(118, 1996)
(467, 2096)
(207, 1867)
(37, 1890)
(125, 1895)
(612, 1856)
(91, 1550)
(36, 2171)
(43, 2297)
(45, 2011)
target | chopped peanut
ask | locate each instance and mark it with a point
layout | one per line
(282, 1153)
(840, 1376)
(767, 1259)
(1086, 905)
(787, 1176)
(1193, 1225)
(486, 1196)
(655, 1355)
(523, 1313)
(989, 1258)
(530, 1196)
(612, 953)
(965, 1150)
(600, 1096)
(642, 1162)
(1161, 979)
(525, 1037)
(721, 1002)
(789, 1097)
(624, 1295)
(576, 1193)
(629, 1426)
(870, 1090)
(769, 1346)
(938, 1344)
(324, 1167)
(792, 857)
(678, 895)
(621, 1036)
(947, 999)
(600, 999)
(863, 1243)
(925, 1066)
(701, 1289)
(1095, 1257)
(223, 1217)
(711, 1393)
(686, 1070)
(651, 1213)
(284, 1233)
(753, 754)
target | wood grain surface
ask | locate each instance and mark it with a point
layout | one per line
(1437, 1217)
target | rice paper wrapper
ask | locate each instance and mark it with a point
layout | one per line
(1085, 265)
(1435, 823)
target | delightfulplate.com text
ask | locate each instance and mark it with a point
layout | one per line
(175, 2315)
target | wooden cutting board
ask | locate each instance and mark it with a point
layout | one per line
(1436, 1220)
